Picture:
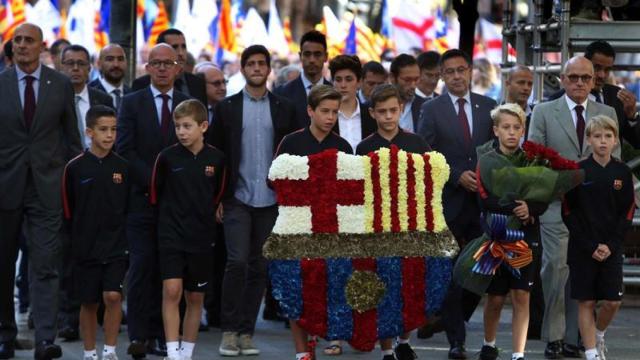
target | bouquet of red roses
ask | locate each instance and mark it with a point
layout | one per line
(537, 173)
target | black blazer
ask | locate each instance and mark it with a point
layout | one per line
(368, 124)
(98, 97)
(416, 109)
(610, 97)
(439, 126)
(139, 139)
(195, 83)
(295, 92)
(226, 132)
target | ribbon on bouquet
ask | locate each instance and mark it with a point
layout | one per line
(504, 246)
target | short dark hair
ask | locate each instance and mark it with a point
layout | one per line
(373, 67)
(314, 36)
(452, 53)
(320, 93)
(8, 49)
(162, 37)
(191, 108)
(401, 61)
(96, 112)
(428, 60)
(346, 62)
(253, 50)
(384, 92)
(601, 47)
(54, 49)
(75, 48)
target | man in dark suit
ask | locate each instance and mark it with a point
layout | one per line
(354, 121)
(429, 63)
(313, 55)
(75, 63)
(602, 55)
(186, 83)
(454, 124)
(112, 63)
(39, 136)
(518, 86)
(373, 74)
(248, 127)
(405, 74)
(145, 127)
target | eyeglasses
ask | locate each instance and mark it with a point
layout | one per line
(574, 78)
(72, 63)
(460, 70)
(167, 64)
(218, 83)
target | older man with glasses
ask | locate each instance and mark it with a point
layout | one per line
(145, 127)
(560, 124)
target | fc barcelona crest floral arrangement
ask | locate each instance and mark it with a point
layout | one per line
(360, 250)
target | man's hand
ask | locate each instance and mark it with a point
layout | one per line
(522, 210)
(604, 251)
(220, 214)
(468, 181)
(628, 100)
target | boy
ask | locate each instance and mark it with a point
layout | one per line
(95, 191)
(186, 185)
(598, 213)
(324, 104)
(508, 127)
(386, 108)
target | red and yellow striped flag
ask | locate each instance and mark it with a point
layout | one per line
(160, 24)
(12, 17)
(226, 37)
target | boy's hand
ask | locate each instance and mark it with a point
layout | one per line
(468, 181)
(220, 214)
(597, 256)
(522, 210)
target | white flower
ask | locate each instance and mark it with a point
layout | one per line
(293, 220)
(350, 167)
(289, 167)
(351, 219)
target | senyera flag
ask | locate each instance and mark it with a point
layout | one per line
(360, 250)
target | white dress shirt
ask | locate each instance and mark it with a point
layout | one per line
(351, 127)
(467, 108)
(83, 104)
(108, 88)
(572, 106)
(158, 101)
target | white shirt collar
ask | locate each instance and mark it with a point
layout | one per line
(421, 94)
(572, 104)
(36, 74)
(355, 113)
(306, 82)
(455, 98)
(108, 88)
(157, 92)
(84, 94)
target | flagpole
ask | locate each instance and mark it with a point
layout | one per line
(122, 25)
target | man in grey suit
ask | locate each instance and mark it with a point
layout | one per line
(455, 124)
(560, 124)
(39, 135)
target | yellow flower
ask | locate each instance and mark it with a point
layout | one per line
(403, 196)
(385, 163)
(421, 220)
(440, 175)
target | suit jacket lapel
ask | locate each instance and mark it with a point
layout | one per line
(274, 108)
(236, 116)
(43, 94)
(150, 104)
(565, 120)
(14, 94)
(476, 121)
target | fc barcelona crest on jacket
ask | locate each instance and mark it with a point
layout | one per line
(360, 250)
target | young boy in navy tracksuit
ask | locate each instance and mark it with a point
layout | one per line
(95, 192)
(187, 183)
(598, 213)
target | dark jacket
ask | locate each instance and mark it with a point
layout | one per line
(195, 83)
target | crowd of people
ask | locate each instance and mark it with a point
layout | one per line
(159, 189)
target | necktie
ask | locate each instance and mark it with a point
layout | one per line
(118, 98)
(165, 119)
(579, 124)
(464, 122)
(29, 108)
(598, 97)
(79, 117)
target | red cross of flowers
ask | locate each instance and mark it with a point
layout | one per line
(322, 191)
